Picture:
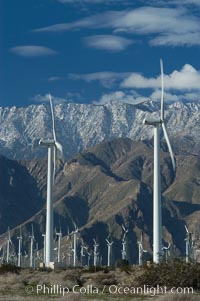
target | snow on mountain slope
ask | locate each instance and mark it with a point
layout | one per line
(80, 126)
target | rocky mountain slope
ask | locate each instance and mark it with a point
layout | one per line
(80, 126)
(103, 187)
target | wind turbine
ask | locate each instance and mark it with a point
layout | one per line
(141, 251)
(1, 258)
(44, 249)
(32, 237)
(35, 255)
(83, 247)
(188, 244)
(89, 256)
(74, 233)
(53, 146)
(69, 254)
(124, 255)
(25, 258)
(9, 242)
(157, 209)
(109, 244)
(19, 247)
(167, 252)
(59, 235)
(95, 252)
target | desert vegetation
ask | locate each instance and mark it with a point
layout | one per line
(21, 284)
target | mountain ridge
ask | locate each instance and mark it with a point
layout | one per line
(110, 184)
(80, 126)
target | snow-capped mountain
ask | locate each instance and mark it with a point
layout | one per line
(80, 126)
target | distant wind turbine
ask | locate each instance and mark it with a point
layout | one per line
(166, 251)
(124, 254)
(59, 235)
(19, 247)
(74, 250)
(95, 252)
(32, 237)
(44, 247)
(83, 247)
(53, 146)
(109, 244)
(141, 250)
(89, 256)
(188, 244)
(9, 242)
(157, 209)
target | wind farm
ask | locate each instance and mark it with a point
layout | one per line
(108, 246)
(100, 150)
(66, 249)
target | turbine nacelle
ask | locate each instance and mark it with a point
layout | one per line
(47, 142)
(154, 122)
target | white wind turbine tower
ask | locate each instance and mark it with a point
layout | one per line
(53, 146)
(9, 242)
(124, 255)
(141, 251)
(89, 256)
(157, 208)
(188, 244)
(32, 237)
(70, 247)
(83, 247)
(194, 250)
(25, 258)
(74, 250)
(109, 244)
(95, 252)
(59, 235)
(19, 247)
(167, 252)
(44, 245)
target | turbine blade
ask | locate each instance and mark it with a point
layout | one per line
(186, 229)
(32, 231)
(169, 146)
(123, 228)
(59, 148)
(162, 91)
(54, 163)
(53, 120)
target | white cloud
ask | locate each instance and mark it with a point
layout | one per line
(161, 25)
(70, 97)
(188, 78)
(133, 97)
(54, 78)
(45, 98)
(32, 51)
(107, 79)
(170, 97)
(189, 39)
(107, 42)
(120, 96)
(173, 2)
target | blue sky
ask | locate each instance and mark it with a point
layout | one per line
(98, 50)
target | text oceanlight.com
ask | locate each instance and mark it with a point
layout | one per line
(111, 289)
